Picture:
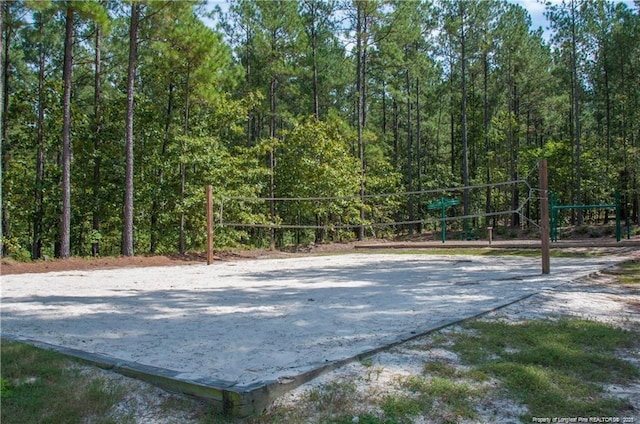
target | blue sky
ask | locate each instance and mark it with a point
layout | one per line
(535, 8)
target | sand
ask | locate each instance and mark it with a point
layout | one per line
(252, 322)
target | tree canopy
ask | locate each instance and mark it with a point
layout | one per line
(116, 114)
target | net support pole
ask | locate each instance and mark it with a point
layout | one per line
(209, 224)
(544, 215)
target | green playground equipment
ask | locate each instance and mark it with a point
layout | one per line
(555, 208)
(442, 204)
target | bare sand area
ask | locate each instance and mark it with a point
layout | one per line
(251, 323)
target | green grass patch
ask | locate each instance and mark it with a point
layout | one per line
(447, 398)
(334, 395)
(42, 386)
(400, 409)
(444, 370)
(441, 369)
(39, 386)
(629, 273)
(554, 368)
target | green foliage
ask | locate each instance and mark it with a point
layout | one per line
(313, 162)
(18, 252)
(212, 102)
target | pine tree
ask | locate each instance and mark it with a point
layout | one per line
(127, 231)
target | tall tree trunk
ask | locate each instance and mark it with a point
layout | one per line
(573, 155)
(607, 94)
(419, 159)
(487, 119)
(452, 135)
(7, 36)
(97, 128)
(436, 138)
(463, 110)
(576, 108)
(127, 233)
(409, 151)
(2, 126)
(363, 69)
(360, 83)
(65, 224)
(396, 135)
(251, 119)
(36, 245)
(314, 59)
(513, 148)
(272, 159)
(316, 99)
(384, 108)
(183, 168)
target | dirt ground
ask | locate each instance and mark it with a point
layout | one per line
(10, 266)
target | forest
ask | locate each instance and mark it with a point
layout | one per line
(313, 120)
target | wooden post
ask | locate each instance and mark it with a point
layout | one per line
(209, 224)
(544, 214)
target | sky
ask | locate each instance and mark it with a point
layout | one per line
(536, 10)
(534, 7)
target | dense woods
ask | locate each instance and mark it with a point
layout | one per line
(116, 114)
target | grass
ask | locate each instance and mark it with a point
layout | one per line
(43, 387)
(555, 368)
(448, 399)
(630, 273)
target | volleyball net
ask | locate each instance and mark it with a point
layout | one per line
(483, 204)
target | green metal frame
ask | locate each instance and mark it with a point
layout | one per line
(443, 204)
(554, 208)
